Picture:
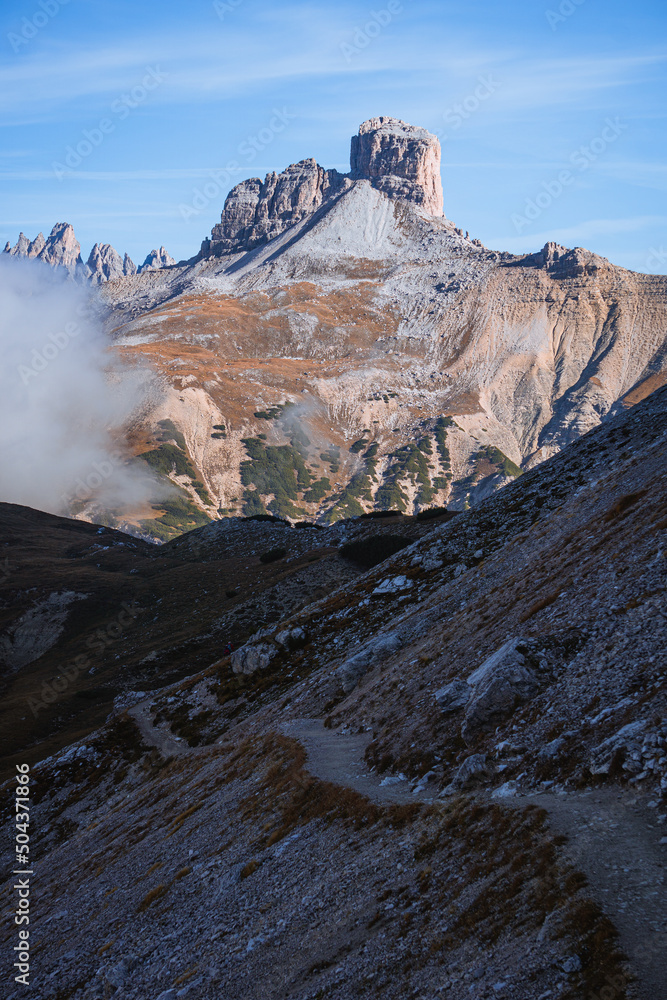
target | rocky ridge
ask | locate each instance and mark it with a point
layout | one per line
(429, 369)
(62, 249)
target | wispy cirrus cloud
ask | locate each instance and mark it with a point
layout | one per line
(197, 67)
(579, 234)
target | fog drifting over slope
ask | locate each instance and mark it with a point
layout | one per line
(63, 398)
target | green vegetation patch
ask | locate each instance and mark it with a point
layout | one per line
(332, 457)
(169, 459)
(359, 488)
(180, 515)
(440, 434)
(409, 463)
(274, 412)
(498, 458)
(318, 490)
(358, 446)
(169, 432)
(276, 469)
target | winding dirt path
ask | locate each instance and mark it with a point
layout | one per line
(613, 838)
(339, 758)
(159, 737)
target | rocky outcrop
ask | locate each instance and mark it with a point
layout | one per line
(155, 260)
(453, 696)
(370, 655)
(250, 658)
(561, 262)
(62, 249)
(129, 267)
(24, 248)
(505, 680)
(257, 211)
(400, 159)
(106, 264)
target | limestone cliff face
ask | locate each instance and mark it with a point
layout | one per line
(61, 249)
(255, 211)
(399, 159)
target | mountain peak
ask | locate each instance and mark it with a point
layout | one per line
(401, 160)
(156, 260)
(62, 249)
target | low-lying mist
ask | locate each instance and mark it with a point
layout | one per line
(64, 398)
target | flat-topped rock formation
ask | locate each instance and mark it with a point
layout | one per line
(401, 160)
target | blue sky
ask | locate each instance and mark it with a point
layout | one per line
(132, 120)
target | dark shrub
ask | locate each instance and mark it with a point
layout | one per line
(266, 517)
(431, 512)
(378, 515)
(272, 555)
(368, 552)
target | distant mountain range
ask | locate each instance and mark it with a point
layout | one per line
(338, 345)
(62, 249)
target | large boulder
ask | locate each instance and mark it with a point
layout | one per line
(505, 680)
(249, 659)
(472, 769)
(292, 638)
(453, 696)
(373, 652)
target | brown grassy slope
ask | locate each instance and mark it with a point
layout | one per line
(188, 599)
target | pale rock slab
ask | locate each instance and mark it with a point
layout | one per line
(370, 655)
